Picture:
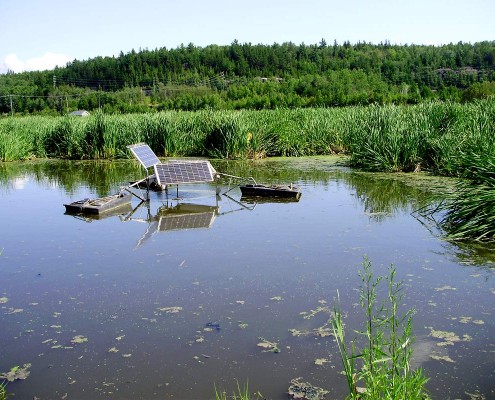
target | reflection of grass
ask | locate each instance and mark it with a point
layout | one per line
(383, 366)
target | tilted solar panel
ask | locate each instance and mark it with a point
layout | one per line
(175, 172)
(144, 154)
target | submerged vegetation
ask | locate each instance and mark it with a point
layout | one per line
(383, 366)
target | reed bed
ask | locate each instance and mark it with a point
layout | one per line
(218, 134)
(429, 136)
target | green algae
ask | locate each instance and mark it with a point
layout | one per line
(269, 347)
(79, 339)
(449, 338)
(305, 391)
(16, 373)
(242, 325)
(15, 310)
(441, 358)
(324, 330)
(445, 287)
(170, 310)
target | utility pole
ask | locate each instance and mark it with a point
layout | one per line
(54, 81)
(11, 107)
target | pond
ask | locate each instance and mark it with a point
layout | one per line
(131, 306)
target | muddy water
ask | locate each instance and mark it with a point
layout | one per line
(134, 306)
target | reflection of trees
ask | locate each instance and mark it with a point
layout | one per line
(383, 195)
(103, 177)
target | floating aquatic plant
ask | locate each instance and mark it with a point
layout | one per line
(79, 339)
(305, 391)
(16, 373)
(170, 310)
(269, 347)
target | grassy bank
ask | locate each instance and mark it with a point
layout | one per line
(428, 136)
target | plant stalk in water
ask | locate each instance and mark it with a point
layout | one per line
(383, 366)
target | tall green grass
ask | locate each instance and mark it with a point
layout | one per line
(221, 134)
(428, 136)
(470, 210)
(382, 368)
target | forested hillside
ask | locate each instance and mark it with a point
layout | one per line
(247, 76)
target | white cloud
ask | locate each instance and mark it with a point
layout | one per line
(46, 61)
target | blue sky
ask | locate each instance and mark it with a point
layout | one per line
(39, 34)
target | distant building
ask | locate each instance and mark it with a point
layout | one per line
(80, 113)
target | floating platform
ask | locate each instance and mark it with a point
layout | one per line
(100, 205)
(280, 191)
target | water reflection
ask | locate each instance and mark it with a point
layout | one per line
(381, 195)
(254, 268)
(172, 217)
(102, 177)
(173, 214)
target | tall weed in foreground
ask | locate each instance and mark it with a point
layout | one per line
(382, 369)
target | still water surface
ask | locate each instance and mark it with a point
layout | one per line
(125, 307)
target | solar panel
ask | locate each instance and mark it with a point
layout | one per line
(144, 154)
(175, 172)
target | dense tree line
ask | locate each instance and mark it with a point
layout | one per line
(257, 76)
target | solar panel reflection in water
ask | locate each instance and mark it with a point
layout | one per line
(175, 172)
(186, 221)
(144, 154)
